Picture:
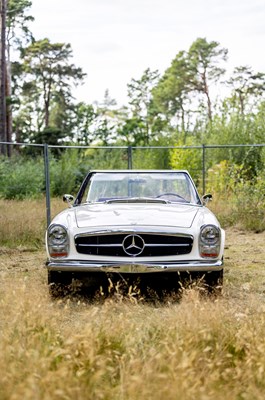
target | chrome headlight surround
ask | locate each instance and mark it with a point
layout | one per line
(209, 241)
(57, 241)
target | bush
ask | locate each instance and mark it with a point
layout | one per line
(104, 158)
(189, 159)
(20, 179)
(66, 173)
(249, 204)
(243, 198)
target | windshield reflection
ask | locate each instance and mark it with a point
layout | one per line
(163, 187)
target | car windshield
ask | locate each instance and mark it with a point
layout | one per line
(164, 187)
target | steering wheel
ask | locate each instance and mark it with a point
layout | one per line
(171, 194)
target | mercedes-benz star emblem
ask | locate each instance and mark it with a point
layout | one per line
(133, 245)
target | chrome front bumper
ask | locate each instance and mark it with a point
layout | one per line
(83, 266)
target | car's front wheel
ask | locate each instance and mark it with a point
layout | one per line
(59, 283)
(214, 281)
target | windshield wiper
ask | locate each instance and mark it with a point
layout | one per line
(138, 200)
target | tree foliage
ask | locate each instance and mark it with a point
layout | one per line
(141, 119)
(247, 88)
(205, 58)
(47, 67)
(17, 22)
(179, 106)
(171, 94)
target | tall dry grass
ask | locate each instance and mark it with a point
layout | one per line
(123, 348)
(243, 212)
(118, 349)
(23, 223)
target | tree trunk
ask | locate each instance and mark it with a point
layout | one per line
(209, 105)
(206, 91)
(3, 137)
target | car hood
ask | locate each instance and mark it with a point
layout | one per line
(102, 215)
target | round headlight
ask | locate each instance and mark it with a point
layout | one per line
(210, 234)
(57, 235)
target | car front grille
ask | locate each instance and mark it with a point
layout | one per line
(133, 244)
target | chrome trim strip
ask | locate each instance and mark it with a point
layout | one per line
(142, 230)
(99, 245)
(146, 245)
(130, 267)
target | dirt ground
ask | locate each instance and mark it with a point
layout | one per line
(244, 265)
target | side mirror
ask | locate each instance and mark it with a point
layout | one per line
(68, 198)
(206, 198)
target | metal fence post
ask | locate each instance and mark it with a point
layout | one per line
(129, 151)
(47, 184)
(203, 170)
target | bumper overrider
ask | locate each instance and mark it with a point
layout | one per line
(130, 267)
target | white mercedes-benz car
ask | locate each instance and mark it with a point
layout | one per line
(135, 224)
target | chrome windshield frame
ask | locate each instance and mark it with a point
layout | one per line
(81, 198)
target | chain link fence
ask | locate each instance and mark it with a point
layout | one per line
(40, 169)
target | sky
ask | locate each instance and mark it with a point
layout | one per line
(114, 41)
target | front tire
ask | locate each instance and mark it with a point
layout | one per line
(214, 282)
(59, 283)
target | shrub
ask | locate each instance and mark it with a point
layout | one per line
(249, 204)
(104, 158)
(243, 198)
(20, 179)
(189, 159)
(66, 173)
